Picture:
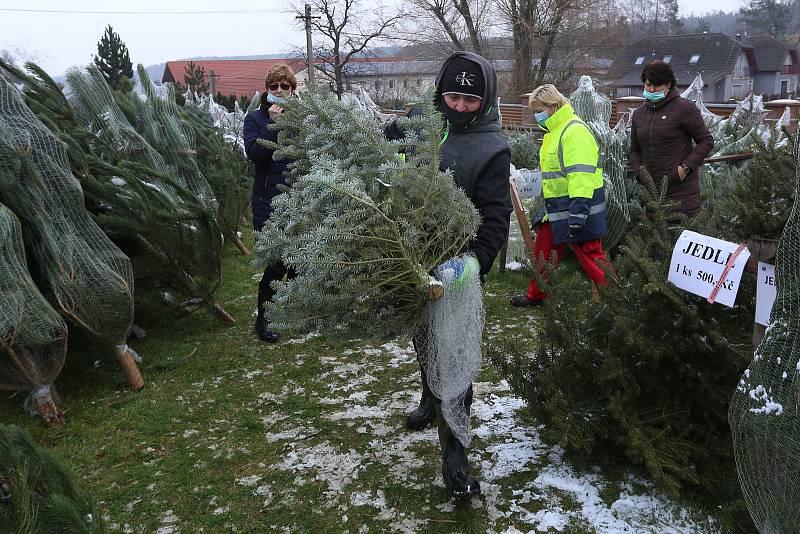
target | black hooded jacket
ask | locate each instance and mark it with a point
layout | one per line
(479, 157)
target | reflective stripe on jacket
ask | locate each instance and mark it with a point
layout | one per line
(572, 181)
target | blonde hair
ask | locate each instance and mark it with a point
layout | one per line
(279, 72)
(547, 95)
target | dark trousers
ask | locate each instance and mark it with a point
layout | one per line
(273, 272)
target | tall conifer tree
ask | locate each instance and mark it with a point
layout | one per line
(112, 58)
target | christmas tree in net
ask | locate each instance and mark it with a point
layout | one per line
(33, 337)
(361, 225)
(764, 410)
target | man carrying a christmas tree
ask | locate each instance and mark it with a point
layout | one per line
(479, 158)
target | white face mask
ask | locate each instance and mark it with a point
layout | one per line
(272, 99)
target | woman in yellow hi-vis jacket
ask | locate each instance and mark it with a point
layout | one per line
(572, 186)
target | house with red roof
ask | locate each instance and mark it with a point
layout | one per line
(238, 77)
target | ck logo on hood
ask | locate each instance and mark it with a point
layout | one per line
(465, 78)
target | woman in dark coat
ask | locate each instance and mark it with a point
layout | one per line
(669, 137)
(280, 83)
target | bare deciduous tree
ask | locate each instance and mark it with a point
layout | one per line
(444, 26)
(347, 31)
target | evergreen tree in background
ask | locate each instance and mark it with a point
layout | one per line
(194, 76)
(112, 58)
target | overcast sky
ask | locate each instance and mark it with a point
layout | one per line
(59, 40)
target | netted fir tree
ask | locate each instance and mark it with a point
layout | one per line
(113, 58)
(763, 413)
(761, 194)
(645, 371)
(37, 494)
(362, 226)
(171, 237)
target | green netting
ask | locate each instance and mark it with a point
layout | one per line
(91, 279)
(33, 337)
(763, 414)
(595, 110)
(172, 235)
(158, 121)
(221, 158)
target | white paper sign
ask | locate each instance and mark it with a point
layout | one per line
(765, 292)
(698, 262)
(529, 183)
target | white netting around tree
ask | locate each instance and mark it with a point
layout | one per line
(91, 279)
(763, 414)
(174, 227)
(158, 121)
(33, 336)
(452, 345)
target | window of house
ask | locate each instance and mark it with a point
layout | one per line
(419, 82)
(742, 68)
(391, 84)
(667, 59)
(378, 84)
(405, 84)
(695, 58)
(640, 60)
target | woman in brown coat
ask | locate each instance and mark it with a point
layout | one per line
(669, 137)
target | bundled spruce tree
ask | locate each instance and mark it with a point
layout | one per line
(760, 196)
(645, 371)
(763, 414)
(172, 237)
(91, 279)
(37, 495)
(595, 110)
(33, 337)
(524, 152)
(362, 227)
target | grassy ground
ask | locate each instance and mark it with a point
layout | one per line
(233, 435)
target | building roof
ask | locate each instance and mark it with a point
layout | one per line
(769, 53)
(239, 77)
(717, 56)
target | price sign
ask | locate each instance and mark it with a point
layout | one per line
(765, 292)
(709, 267)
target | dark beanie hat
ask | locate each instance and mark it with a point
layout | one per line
(464, 77)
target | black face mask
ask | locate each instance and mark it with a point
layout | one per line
(459, 119)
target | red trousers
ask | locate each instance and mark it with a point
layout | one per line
(589, 253)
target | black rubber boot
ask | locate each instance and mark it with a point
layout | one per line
(261, 328)
(522, 301)
(455, 467)
(423, 415)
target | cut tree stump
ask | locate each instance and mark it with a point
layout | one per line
(241, 246)
(220, 313)
(125, 357)
(44, 401)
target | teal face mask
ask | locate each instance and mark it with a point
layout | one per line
(653, 97)
(541, 117)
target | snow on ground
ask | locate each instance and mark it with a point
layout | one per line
(549, 496)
